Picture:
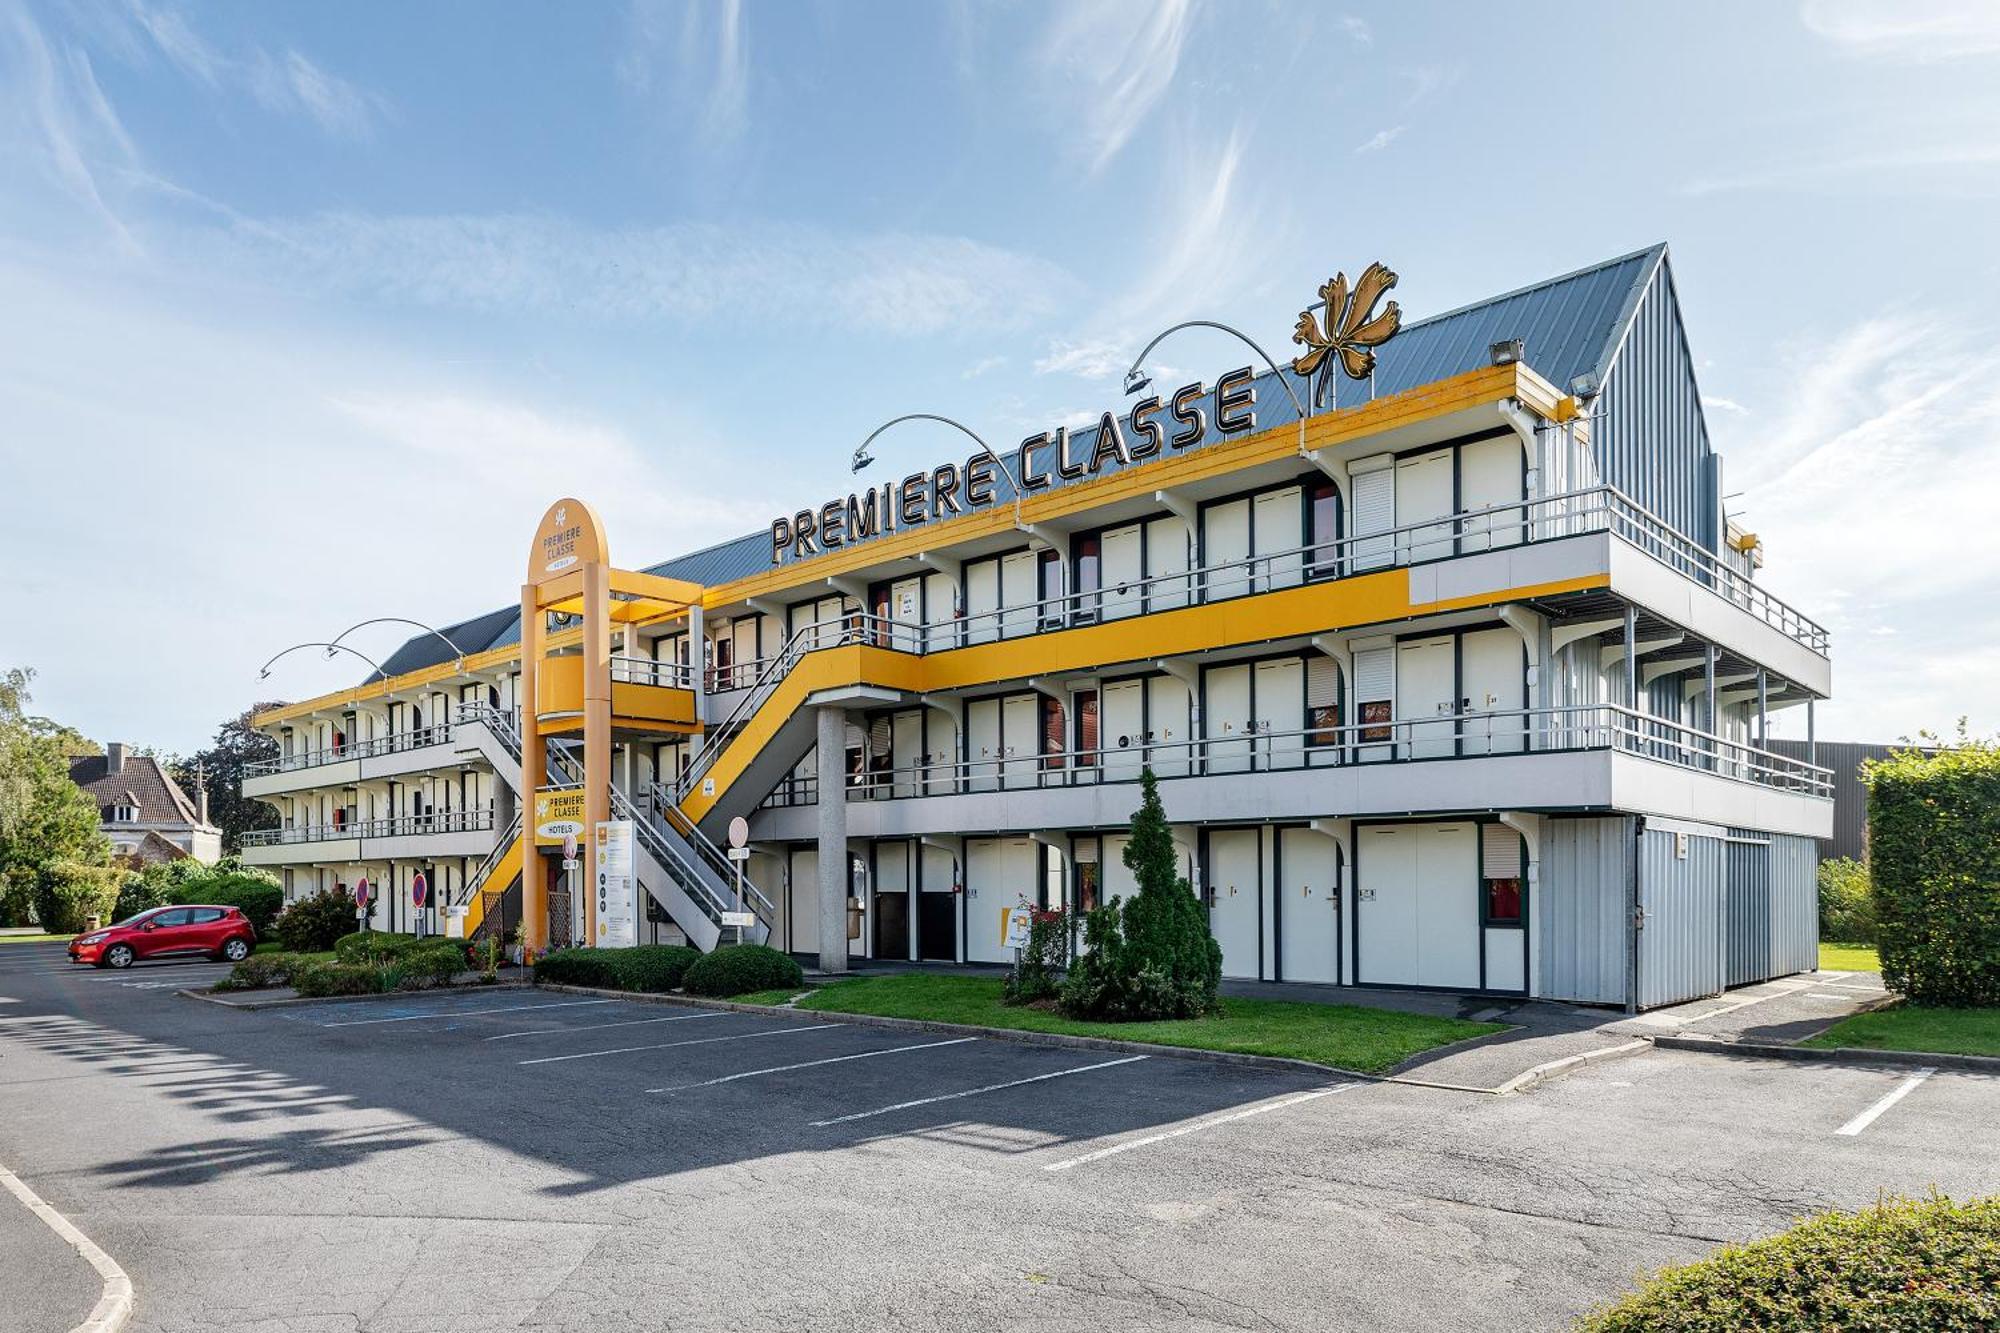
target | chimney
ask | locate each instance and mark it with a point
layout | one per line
(200, 793)
(114, 757)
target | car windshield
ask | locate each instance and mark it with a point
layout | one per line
(135, 919)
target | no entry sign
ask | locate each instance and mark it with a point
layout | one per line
(420, 890)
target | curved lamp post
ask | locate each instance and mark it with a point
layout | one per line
(862, 458)
(1136, 380)
(437, 634)
(264, 671)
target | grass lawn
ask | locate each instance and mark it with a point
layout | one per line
(34, 939)
(1848, 958)
(1369, 1041)
(1911, 1028)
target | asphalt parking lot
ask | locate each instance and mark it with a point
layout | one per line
(525, 1159)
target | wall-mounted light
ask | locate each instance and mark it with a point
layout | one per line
(1584, 385)
(1136, 380)
(1507, 351)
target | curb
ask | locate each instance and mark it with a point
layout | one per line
(1764, 1050)
(207, 997)
(1023, 1036)
(1552, 1069)
(114, 1306)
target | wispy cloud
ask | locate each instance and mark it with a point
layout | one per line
(56, 109)
(1717, 404)
(1940, 164)
(707, 49)
(1870, 475)
(292, 83)
(801, 276)
(1093, 359)
(1104, 67)
(1916, 30)
(983, 366)
(1357, 27)
(1380, 139)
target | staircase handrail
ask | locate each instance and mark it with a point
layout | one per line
(804, 641)
(690, 882)
(706, 848)
(477, 879)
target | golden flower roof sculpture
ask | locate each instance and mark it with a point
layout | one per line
(1350, 332)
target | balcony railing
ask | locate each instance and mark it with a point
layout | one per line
(1262, 749)
(645, 671)
(393, 826)
(395, 743)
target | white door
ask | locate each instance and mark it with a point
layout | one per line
(999, 873)
(1308, 905)
(1281, 713)
(1166, 553)
(906, 752)
(1417, 911)
(1226, 541)
(940, 612)
(1020, 735)
(1020, 589)
(1123, 567)
(906, 615)
(1225, 715)
(743, 643)
(1423, 492)
(1233, 893)
(1171, 753)
(1426, 696)
(1385, 907)
(1489, 474)
(803, 901)
(1494, 665)
(982, 601)
(1448, 906)
(941, 763)
(1120, 729)
(1277, 533)
(982, 745)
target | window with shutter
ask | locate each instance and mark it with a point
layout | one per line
(1375, 692)
(1322, 700)
(1087, 742)
(1374, 511)
(1500, 869)
(1052, 734)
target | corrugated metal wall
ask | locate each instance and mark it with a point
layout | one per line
(1650, 437)
(1747, 904)
(1794, 904)
(1679, 953)
(1850, 798)
(1581, 909)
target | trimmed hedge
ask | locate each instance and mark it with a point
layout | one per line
(652, 968)
(322, 978)
(378, 946)
(738, 969)
(434, 964)
(228, 884)
(1934, 859)
(1914, 1265)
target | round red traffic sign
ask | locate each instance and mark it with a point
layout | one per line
(361, 892)
(569, 846)
(420, 890)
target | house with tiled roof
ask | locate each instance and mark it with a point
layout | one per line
(142, 810)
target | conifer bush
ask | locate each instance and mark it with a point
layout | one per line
(1150, 956)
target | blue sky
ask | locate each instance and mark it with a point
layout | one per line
(306, 311)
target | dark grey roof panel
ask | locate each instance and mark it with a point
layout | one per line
(472, 636)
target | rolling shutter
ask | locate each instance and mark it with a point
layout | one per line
(1374, 511)
(1499, 852)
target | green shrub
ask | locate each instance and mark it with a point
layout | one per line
(1903, 1264)
(379, 946)
(315, 922)
(319, 978)
(229, 883)
(435, 963)
(1934, 858)
(652, 968)
(139, 893)
(1846, 902)
(260, 970)
(1150, 956)
(1038, 973)
(738, 969)
(68, 893)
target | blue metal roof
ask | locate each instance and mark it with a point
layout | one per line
(1570, 325)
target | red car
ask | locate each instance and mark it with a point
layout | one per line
(218, 932)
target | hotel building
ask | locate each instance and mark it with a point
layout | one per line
(1451, 667)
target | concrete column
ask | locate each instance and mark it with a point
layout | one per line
(833, 875)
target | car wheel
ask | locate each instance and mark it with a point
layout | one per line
(236, 950)
(118, 956)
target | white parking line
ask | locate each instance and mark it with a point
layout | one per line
(1888, 1099)
(462, 1013)
(595, 1027)
(809, 1064)
(1211, 1123)
(973, 1092)
(669, 1045)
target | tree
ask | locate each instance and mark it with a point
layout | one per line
(1151, 956)
(44, 817)
(220, 767)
